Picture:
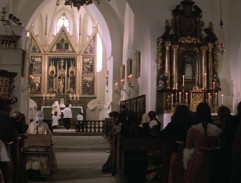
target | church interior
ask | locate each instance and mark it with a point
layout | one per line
(96, 57)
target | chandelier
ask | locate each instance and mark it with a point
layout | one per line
(78, 3)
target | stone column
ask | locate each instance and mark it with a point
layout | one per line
(175, 66)
(167, 63)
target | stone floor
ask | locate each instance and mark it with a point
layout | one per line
(80, 159)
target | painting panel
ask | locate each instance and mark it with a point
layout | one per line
(36, 65)
(88, 65)
(62, 44)
(188, 66)
(88, 85)
(91, 47)
(129, 67)
(35, 85)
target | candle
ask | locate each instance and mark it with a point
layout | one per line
(216, 98)
(222, 98)
(129, 78)
(44, 96)
(205, 80)
(122, 82)
(74, 97)
(183, 77)
(70, 96)
(172, 99)
(209, 97)
(186, 97)
(176, 86)
(214, 85)
(116, 86)
(180, 95)
(47, 96)
(77, 96)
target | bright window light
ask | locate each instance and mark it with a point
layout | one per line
(63, 21)
(99, 53)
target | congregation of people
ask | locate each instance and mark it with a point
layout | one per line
(197, 133)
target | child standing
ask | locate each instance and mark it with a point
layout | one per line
(79, 124)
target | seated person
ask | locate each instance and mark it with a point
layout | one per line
(154, 124)
(39, 162)
(20, 122)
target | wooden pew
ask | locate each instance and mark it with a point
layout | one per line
(39, 145)
(20, 161)
(125, 146)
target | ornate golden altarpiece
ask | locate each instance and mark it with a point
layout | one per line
(187, 61)
(62, 72)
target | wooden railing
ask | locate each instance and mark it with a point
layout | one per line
(92, 126)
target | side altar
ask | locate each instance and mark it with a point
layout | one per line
(187, 61)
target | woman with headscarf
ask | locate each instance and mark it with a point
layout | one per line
(203, 134)
(40, 162)
(38, 126)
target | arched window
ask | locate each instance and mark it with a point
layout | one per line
(63, 21)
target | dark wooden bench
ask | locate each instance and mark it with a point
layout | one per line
(39, 145)
(125, 146)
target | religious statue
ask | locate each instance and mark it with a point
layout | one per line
(51, 78)
(162, 82)
(61, 85)
(188, 67)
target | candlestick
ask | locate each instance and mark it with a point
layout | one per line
(209, 97)
(183, 77)
(186, 97)
(172, 99)
(122, 82)
(214, 85)
(129, 78)
(180, 95)
(205, 80)
(116, 86)
(222, 98)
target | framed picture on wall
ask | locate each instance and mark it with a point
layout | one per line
(129, 67)
(138, 63)
(122, 72)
